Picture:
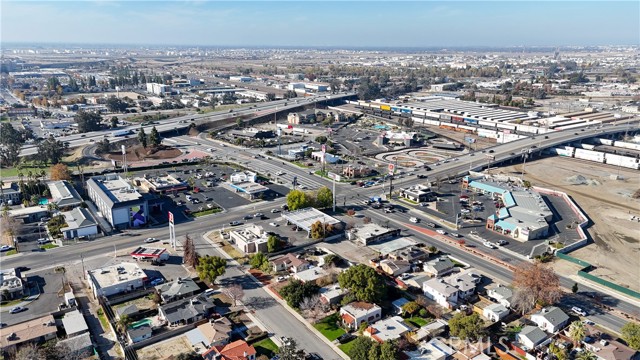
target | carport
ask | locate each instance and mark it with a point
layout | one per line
(304, 218)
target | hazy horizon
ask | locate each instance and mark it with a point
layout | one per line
(327, 25)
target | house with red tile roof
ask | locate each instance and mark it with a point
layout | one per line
(357, 312)
(237, 350)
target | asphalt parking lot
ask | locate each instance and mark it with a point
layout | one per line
(49, 284)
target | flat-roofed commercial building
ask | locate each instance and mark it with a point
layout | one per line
(118, 201)
(160, 184)
(304, 218)
(115, 279)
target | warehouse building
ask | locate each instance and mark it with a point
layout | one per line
(120, 204)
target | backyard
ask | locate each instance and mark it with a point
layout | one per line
(266, 347)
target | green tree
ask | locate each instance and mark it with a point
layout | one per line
(188, 356)
(270, 96)
(574, 288)
(559, 352)
(142, 137)
(374, 352)
(154, 138)
(321, 139)
(116, 105)
(576, 332)
(389, 351)
(103, 146)
(296, 291)
(50, 150)
(360, 348)
(123, 323)
(289, 350)
(332, 259)
(364, 283)
(114, 122)
(324, 198)
(210, 267)
(12, 141)
(88, 121)
(410, 308)
(259, 261)
(297, 199)
(273, 243)
(586, 355)
(631, 334)
(466, 326)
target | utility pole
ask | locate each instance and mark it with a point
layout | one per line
(334, 193)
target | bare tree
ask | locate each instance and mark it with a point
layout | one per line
(28, 351)
(523, 301)
(366, 220)
(190, 256)
(10, 227)
(535, 282)
(235, 292)
(435, 310)
(312, 308)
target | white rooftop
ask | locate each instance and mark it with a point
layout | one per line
(116, 274)
(74, 322)
(390, 328)
(119, 188)
(304, 218)
(312, 274)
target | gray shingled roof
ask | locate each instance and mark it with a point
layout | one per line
(533, 333)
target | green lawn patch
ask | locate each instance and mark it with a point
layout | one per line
(205, 212)
(49, 246)
(13, 171)
(346, 347)
(266, 347)
(11, 252)
(11, 303)
(328, 327)
(103, 320)
(298, 163)
(409, 201)
(417, 321)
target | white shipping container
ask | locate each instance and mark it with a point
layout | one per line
(589, 157)
(506, 126)
(418, 120)
(588, 146)
(563, 152)
(605, 141)
(418, 113)
(626, 145)
(487, 123)
(527, 128)
(432, 122)
(492, 134)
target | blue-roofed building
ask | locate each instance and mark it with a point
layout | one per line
(524, 215)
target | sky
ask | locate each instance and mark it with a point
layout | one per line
(335, 23)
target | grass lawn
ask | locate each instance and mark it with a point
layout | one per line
(234, 253)
(13, 172)
(328, 328)
(409, 201)
(266, 347)
(346, 347)
(11, 303)
(49, 246)
(417, 321)
(11, 252)
(103, 320)
(205, 212)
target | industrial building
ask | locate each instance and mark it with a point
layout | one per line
(115, 279)
(158, 89)
(120, 204)
(523, 214)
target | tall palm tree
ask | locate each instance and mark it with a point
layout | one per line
(576, 332)
(586, 355)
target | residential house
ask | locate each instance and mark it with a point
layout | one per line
(10, 194)
(64, 195)
(77, 347)
(11, 284)
(312, 274)
(495, 312)
(80, 224)
(501, 294)
(289, 262)
(187, 311)
(430, 330)
(237, 350)
(550, 319)
(530, 337)
(606, 348)
(416, 280)
(331, 294)
(213, 333)
(439, 267)
(35, 331)
(139, 333)
(441, 292)
(465, 281)
(307, 116)
(357, 312)
(74, 323)
(434, 349)
(411, 254)
(398, 304)
(388, 329)
(395, 267)
(177, 289)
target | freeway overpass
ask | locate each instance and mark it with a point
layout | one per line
(263, 109)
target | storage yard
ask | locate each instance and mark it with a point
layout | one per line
(607, 202)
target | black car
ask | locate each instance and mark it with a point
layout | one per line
(345, 338)
(312, 356)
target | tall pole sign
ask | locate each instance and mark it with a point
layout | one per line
(172, 231)
(392, 167)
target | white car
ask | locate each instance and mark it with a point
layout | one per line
(5, 248)
(273, 224)
(489, 245)
(441, 232)
(150, 240)
(16, 310)
(273, 211)
(414, 220)
(579, 311)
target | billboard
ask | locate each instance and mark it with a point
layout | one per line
(391, 168)
(136, 216)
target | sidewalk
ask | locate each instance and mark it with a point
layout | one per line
(279, 300)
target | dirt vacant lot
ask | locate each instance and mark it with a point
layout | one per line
(607, 202)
